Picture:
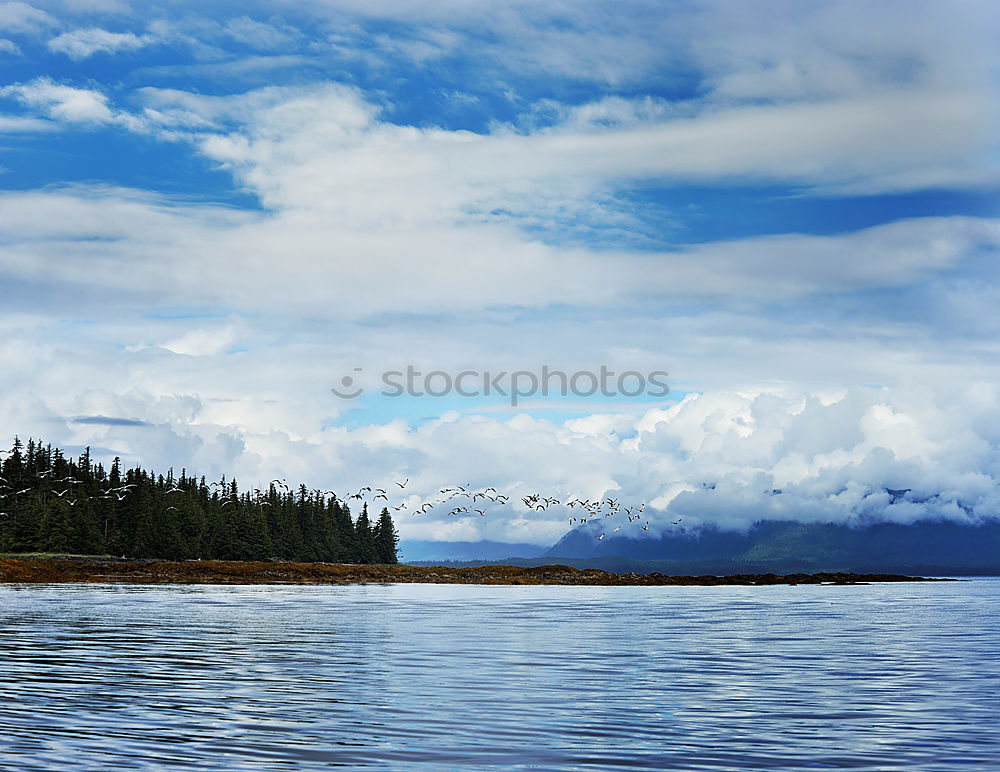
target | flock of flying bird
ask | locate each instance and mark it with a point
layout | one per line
(117, 493)
(453, 496)
(475, 501)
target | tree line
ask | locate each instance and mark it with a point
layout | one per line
(51, 503)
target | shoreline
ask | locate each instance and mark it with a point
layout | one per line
(73, 570)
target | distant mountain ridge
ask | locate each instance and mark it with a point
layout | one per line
(804, 546)
(414, 550)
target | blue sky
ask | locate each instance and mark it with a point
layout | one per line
(211, 212)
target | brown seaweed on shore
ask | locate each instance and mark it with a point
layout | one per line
(111, 570)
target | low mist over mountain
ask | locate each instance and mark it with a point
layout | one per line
(787, 545)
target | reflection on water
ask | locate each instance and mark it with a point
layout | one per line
(454, 677)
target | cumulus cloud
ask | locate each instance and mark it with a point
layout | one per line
(722, 458)
(202, 342)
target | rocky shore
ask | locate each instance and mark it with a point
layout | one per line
(101, 570)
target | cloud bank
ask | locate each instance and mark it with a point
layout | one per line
(208, 217)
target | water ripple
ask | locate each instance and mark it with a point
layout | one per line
(893, 677)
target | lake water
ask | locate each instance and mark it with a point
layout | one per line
(437, 677)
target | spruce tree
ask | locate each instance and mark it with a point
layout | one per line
(346, 542)
(386, 539)
(365, 551)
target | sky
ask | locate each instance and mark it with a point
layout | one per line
(213, 213)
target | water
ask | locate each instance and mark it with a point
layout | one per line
(437, 677)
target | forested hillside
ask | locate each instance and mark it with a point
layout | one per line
(50, 503)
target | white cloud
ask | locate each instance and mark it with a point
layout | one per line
(212, 257)
(260, 35)
(79, 44)
(325, 148)
(23, 18)
(10, 124)
(818, 50)
(62, 103)
(202, 342)
(718, 458)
